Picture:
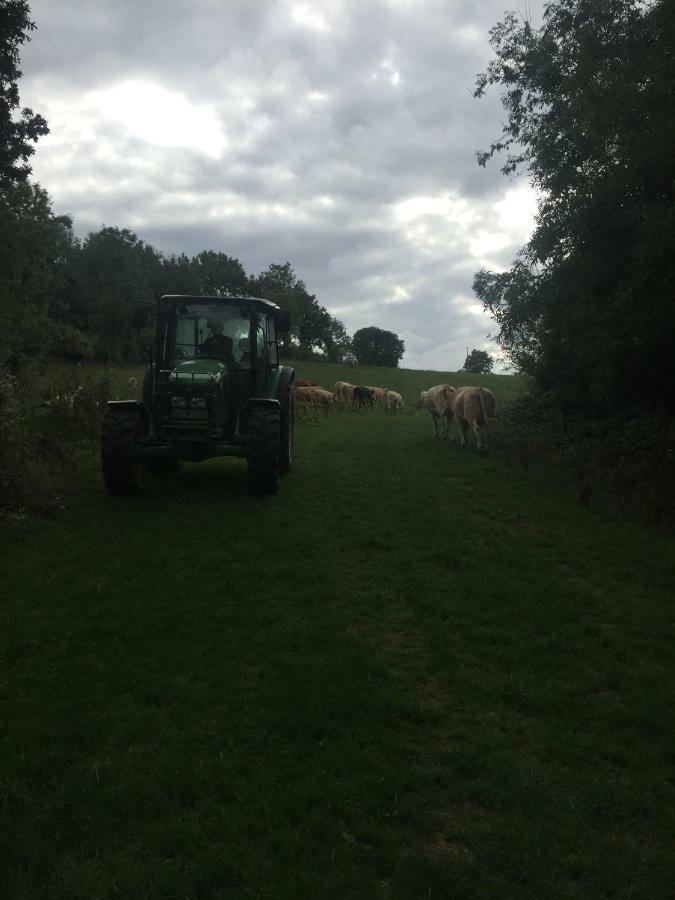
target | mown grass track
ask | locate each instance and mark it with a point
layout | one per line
(410, 674)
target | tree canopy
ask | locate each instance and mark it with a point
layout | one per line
(18, 133)
(479, 362)
(587, 307)
(377, 347)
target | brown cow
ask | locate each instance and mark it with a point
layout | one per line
(438, 402)
(315, 397)
(379, 394)
(474, 407)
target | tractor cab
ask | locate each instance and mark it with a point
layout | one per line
(214, 374)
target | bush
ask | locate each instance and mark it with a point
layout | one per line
(43, 432)
(622, 461)
(69, 343)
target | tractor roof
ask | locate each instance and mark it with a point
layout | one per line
(263, 306)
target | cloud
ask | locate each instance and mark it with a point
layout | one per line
(340, 136)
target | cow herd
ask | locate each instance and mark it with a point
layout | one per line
(472, 407)
(345, 396)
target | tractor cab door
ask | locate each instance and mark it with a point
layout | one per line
(265, 352)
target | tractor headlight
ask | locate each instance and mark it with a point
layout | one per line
(198, 403)
(178, 402)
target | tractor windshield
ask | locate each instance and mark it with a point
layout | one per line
(212, 331)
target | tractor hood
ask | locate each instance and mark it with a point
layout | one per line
(198, 371)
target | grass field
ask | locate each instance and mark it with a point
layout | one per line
(412, 673)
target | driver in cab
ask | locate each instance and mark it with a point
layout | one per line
(218, 345)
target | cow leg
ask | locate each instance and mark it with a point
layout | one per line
(463, 428)
(477, 431)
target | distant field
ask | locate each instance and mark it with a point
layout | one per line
(412, 673)
(408, 382)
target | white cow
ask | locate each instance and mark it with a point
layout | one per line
(474, 407)
(393, 401)
(343, 392)
(438, 402)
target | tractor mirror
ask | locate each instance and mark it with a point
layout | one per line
(140, 317)
(283, 321)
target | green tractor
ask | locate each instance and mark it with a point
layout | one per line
(214, 388)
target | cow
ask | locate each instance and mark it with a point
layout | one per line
(362, 396)
(301, 383)
(315, 397)
(474, 407)
(438, 402)
(379, 394)
(343, 392)
(393, 401)
(323, 398)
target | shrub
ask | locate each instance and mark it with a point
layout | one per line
(622, 461)
(43, 432)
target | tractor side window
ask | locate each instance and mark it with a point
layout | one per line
(243, 349)
(273, 349)
(184, 344)
(261, 346)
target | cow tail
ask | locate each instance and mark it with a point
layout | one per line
(482, 420)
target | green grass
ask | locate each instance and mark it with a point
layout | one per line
(410, 674)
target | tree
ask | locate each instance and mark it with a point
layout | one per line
(32, 246)
(280, 284)
(479, 362)
(16, 133)
(587, 307)
(118, 271)
(376, 347)
(312, 326)
(219, 274)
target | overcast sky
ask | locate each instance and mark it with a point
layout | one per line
(337, 134)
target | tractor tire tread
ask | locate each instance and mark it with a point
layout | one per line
(118, 440)
(263, 450)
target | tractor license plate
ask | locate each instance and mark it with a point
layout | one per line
(189, 414)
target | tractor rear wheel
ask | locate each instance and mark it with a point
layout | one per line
(286, 429)
(123, 472)
(263, 450)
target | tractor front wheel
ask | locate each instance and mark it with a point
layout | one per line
(123, 472)
(263, 450)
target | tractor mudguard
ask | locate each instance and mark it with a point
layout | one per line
(129, 404)
(285, 376)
